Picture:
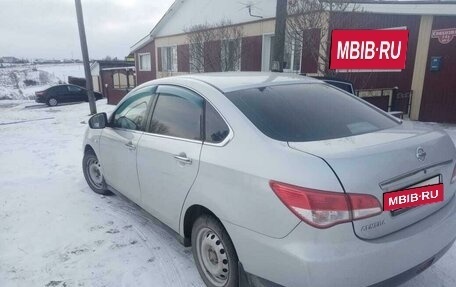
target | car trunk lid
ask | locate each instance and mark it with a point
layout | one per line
(385, 161)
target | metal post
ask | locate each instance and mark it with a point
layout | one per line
(279, 36)
(409, 105)
(394, 99)
(85, 57)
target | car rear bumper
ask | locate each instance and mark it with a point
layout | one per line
(250, 280)
(336, 257)
(412, 272)
(39, 100)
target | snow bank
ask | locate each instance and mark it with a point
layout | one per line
(21, 82)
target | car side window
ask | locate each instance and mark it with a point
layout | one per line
(74, 89)
(59, 90)
(178, 113)
(216, 130)
(132, 113)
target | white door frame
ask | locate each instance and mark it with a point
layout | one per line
(266, 52)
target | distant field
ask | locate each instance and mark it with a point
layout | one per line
(64, 70)
(22, 81)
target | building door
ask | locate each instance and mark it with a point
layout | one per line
(96, 84)
(266, 57)
(439, 98)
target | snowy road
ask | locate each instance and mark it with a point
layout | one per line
(55, 232)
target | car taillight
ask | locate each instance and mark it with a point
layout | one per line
(453, 177)
(323, 209)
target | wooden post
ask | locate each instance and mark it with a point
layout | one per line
(85, 57)
(279, 36)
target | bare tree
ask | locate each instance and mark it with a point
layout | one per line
(197, 36)
(214, 47)
(309, 26)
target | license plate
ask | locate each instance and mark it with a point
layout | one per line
(426, 192)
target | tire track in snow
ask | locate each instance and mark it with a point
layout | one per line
(163, 241)
(162, 255)
(25, 121)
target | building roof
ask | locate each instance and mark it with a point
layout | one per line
(233, 81)
(148, 38)
(182, 15)
(211, 11)
(115, 64)
(99, 65)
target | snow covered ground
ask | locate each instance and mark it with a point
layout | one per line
(63, 71)
(54, 231)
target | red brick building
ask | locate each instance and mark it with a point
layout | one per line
(166, 51)
(114, 79)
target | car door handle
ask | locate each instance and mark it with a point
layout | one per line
(183, 158)
(130, 146)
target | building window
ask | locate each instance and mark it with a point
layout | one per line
(120, 81)
(169, 59)
(131, 81)
(196, 57)
(231, 55)
(144, 62)
(292, 55)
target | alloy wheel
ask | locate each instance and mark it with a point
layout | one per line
(53, 102)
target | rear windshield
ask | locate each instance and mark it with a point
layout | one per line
(307, 112)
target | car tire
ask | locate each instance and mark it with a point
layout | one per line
(93, 174)
(52, 102)
(214, 253)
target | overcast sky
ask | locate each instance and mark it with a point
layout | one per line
(48, 28)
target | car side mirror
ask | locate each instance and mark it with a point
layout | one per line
(98, 121)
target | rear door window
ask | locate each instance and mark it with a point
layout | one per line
(60, 90)
(216, 130)
(308, 112)
(74, 89)
(177, 113)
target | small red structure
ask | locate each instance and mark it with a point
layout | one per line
(114, 79)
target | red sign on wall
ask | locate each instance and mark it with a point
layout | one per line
(368, 49)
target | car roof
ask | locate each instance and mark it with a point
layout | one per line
(65, 85)
(233, 81)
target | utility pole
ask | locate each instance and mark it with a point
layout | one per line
(279, 37)
(85, 57)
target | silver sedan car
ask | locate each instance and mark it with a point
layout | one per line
(277, 180)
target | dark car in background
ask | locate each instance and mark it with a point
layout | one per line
(64, 94)
(341, 84)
